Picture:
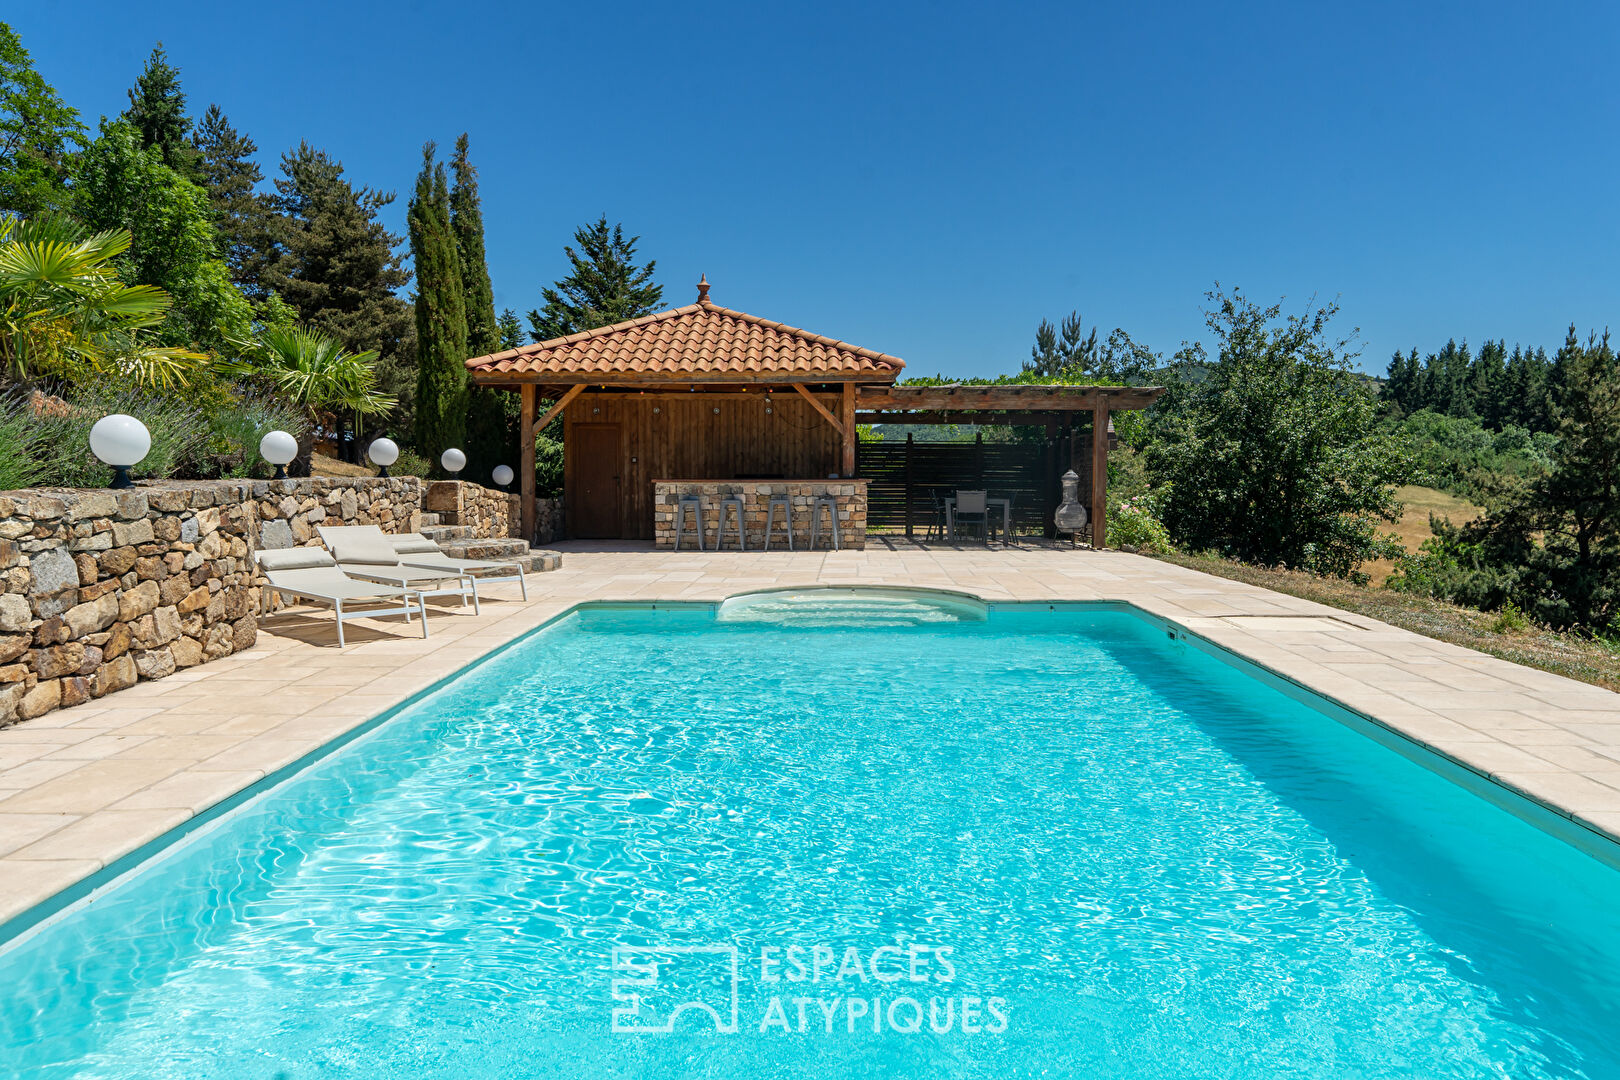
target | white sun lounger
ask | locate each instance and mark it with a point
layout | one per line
(310, 573)
(417, 550)
(362, 551)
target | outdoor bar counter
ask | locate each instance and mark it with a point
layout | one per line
(850, 494)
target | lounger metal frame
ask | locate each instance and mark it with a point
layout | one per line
(271, 589)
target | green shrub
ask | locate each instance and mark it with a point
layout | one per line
(1510, 620)
(19, 443)
(1453, 567)
(1133, 524)
(548, 467)
(1463, 457)
(236, 423)
(410, 463)
(179, 432)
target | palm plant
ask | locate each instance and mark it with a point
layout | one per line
(315, 371)
(64, 311)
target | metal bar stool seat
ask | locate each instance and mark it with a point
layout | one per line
(736, 504)
(816, 505)
(786, 504)
(696, 503)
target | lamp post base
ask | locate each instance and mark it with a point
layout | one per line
(382, 470)
(281, 473)
(121, 477)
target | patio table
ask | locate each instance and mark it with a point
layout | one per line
(1006, 517)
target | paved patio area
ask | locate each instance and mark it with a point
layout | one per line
(83, 787)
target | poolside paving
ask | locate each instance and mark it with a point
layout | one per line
(84, 786)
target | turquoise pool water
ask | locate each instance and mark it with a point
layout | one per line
(1158, 866)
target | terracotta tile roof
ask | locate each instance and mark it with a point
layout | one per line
(701, 341)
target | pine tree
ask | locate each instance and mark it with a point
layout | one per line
(1401, 387)
(334, 262)
(603, 287)
(441, 315)
(491, 414)
(1080, 353)
(241, 215)
(157, 111)
(1486, 382)
(511, 330)
(38, 135)
(1044, 356)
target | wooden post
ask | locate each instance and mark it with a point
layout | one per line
(526, 409)
(1099, 478)
(847, 419)
(908, 485)
(1050, 475)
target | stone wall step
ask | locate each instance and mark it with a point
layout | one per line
(503, 550)
(430, 519)
(440, 534)
(485, 549)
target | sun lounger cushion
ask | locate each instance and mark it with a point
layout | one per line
(361, 546)
(415, 545)
(297, 558)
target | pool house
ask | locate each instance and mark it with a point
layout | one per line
(702, 401)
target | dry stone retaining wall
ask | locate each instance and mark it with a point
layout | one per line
(99, 589)
(490, 512)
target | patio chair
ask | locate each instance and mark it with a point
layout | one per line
(310, 573)
(417, 550)
(362, 551)
(974, 504)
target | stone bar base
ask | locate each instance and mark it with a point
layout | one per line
(851, 496)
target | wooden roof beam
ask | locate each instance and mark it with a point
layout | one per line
(826, 413)
(1007, 398)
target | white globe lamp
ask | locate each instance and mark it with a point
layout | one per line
(278, 448)
(502, 475)
(384, 452)
(120, 441)
(453, 461)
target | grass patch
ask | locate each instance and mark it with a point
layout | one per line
(325, 465)
(1499, 634)
(1413, 528)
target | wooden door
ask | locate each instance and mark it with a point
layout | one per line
(594, 507)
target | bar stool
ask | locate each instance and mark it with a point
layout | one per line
(696, 503)
(816, 504)
(734, 503)
(787, 519)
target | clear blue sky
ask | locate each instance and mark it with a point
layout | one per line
(931, 180)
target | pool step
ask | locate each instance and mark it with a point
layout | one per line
(824, 607)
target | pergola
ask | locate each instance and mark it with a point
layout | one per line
(704, 392)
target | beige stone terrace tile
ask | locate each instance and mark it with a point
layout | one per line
(82, 786)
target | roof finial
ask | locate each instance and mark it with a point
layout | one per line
(703, 289)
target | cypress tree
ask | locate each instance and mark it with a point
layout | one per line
(441, 315)
(603, 287)
(491, 414)
(157, 111)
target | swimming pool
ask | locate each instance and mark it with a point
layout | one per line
(872, 836)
